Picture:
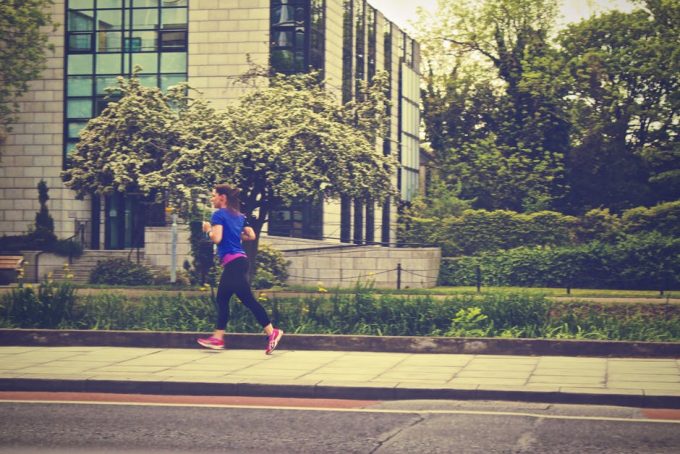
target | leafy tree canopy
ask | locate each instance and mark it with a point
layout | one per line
(288, 141)
(23, 43)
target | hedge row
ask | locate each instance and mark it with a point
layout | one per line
(648, 261)
(475, 231)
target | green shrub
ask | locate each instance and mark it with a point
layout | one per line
(476, 231)
(648, 261)
(663, 218)
(264, 279)
(272, 263)
(493, 314)
(67, 248)
(120, 271)
(51, 306)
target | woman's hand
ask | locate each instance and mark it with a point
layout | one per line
(206, 226)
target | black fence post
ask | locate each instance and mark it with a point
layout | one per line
(478, 276)
(398, 276)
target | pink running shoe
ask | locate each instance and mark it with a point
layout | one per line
(274, 339)
(212, 342)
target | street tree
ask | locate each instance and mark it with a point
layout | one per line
(623, 75)
(288, 141)
(501, 134)
(23, 47)
(296, 142)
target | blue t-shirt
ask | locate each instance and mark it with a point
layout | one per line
(232, 225)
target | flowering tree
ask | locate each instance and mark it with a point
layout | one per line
(288, 141)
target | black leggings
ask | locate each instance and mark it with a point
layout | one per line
(234, 280)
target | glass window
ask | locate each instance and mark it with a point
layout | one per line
(80, 42)
(149, 81)
(79, 64)
(173, 62)
(300, 61)
(109, 20)
(79, 86)
(283, 15)
(168, 80)
(145, 3)
(141, 41)
(282, 38)
(79, 108)
(300, 39)
(174, 18)
(74, 128)
(174, 3)
(109, 63)
(80, 21)
(70, 147)
(109, 3)
(109, 41)
(80, 4)
(104, 82)
(145, 19)
(148, 62)
(282, 59)
(173, 40)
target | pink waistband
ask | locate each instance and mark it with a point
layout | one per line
(231, 257)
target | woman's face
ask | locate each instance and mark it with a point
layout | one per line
(218, 200)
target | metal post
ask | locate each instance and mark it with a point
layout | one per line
(173, 253)
(478, 275)
(398, 276)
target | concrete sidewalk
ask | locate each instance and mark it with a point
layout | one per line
(341, 374)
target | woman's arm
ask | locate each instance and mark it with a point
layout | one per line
(214, 231)
(248, 234)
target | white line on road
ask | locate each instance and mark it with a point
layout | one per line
(350, 410)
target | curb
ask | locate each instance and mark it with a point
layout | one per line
(393, 344)
(334, 392)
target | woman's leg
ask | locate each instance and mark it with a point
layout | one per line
(224, 292)
(245, 294)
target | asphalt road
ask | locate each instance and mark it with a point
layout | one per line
(211, 425)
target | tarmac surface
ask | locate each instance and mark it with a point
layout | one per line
(640, 382)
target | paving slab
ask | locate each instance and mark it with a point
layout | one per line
(293, 373)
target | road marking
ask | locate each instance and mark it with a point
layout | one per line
(352, 410)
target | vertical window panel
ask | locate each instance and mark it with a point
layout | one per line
(109, 20)
(174, 62)
(79, 108)
(79, 64)
(80, 21)
(148, 62)
(174, 18)
(145, 18)
(79, 86)
(109, 63)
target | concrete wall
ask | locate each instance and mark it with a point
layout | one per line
(158, 246)
(345, 267)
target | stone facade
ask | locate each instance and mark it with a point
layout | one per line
(33, 151)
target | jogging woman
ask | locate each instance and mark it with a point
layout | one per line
(227, 227)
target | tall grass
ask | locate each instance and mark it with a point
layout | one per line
(497, 314)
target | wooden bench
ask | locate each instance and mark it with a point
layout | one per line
(9, 268)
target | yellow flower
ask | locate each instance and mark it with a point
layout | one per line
(28, 286)
(322, 290)
(169, 209)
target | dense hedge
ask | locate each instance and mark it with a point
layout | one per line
(643, 261)
(477, 231)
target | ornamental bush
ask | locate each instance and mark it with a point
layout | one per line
(647, 261)
(120, 271)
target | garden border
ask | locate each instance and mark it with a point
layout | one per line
(397, 344)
